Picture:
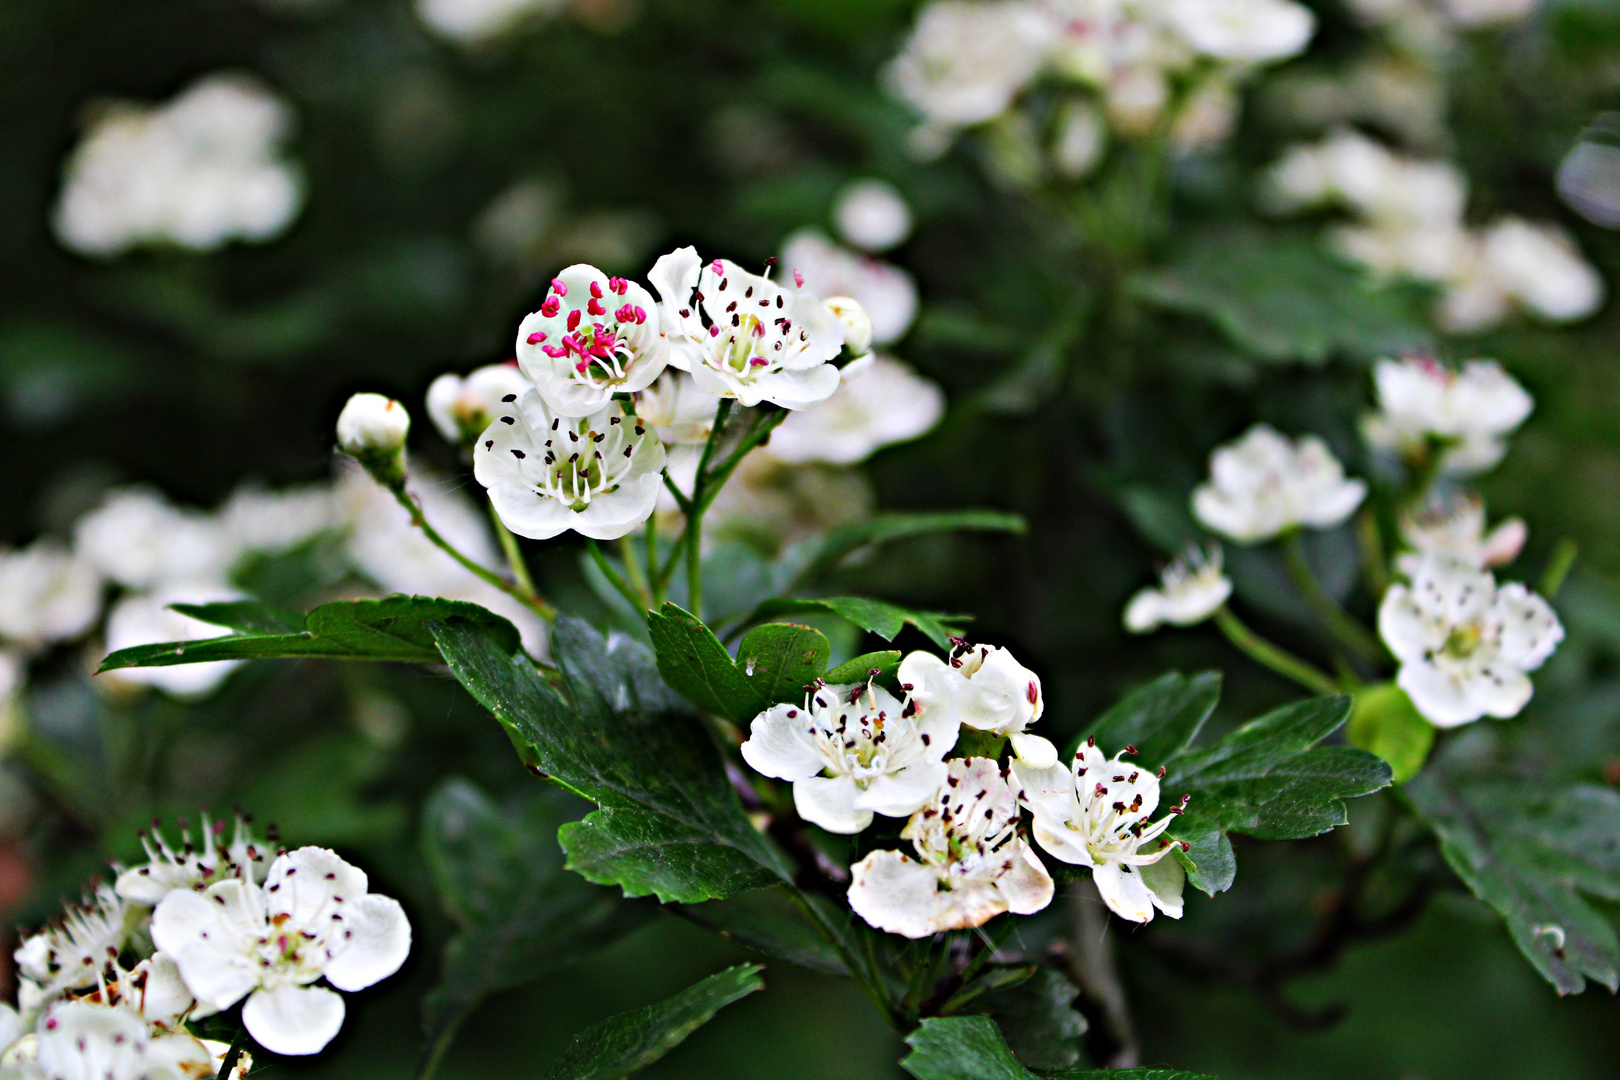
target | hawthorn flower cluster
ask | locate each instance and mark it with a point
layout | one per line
(1118, 63)
(112, 988)
(1463, 645)
(197, 172)
(1411, 225)
(859, 750)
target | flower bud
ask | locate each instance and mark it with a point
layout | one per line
(857, 324)
(371, 429)
(461, 408)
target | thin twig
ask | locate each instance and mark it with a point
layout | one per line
(1264, 652)
(1094, 967)
(1338, 622)
(525, 597)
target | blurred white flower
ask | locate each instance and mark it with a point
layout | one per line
(1589, 176)
(852, 751)
(1455, 527)
(598, 475)
(984, 688)
(461, 408)
(1349, 169)
(741, 335)
(1265, 484)
(971, 865)
(204, 169)
(856, 322)
(1472, 13)
(47, 594)
(1080, 137)
(677, 410)
(871, 215)
(141, 540)
(147, 619)
(1098, 813)
(1191, 589)
(1207, 117)
(1464, 644)
(593, 337)
(771, 505)
(272, 522)
(473, 22)
(194, 866)
(313, 918)
(964, 62)
(888, 293)
(82, 1040)
(1469, 413)
(71, 952)
(1251, 31)
(880, 401)
(1540, 267)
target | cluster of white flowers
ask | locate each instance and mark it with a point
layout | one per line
(204, 169)
(200, 927)
(1411, 225)
(853, 751)
(967, 62)
(1465, 416)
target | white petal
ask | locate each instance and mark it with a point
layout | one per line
(376, 939)
(894, 892)
(829, 801)
(164, 997)
(1123, 890)
(293, 1019)
(306, 884)
(1442, 700)
(1027, 887)
(1165, 879)
(905, 791)
(1145, 611)
(210, 936)
(1033, 750)
(1061, 842)
(1408, 632)
(1332, 506)
(673, 275)
(1500, 691)
(1530, 630)
(1047, 791)
(780, 744)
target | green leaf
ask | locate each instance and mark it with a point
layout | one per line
(766, 922)
(877, 616)
(1385, 722)
(1281, 297)
(1268, 779)
(861, 668)
(696, 666)
(500, 874)
(393, 628)
(972, 1048)
(1531, 851)
(1160, 718)
(622, 1044)
(670, 823)
(248, 616)
(780, 659)
(815, 556)
(1039, 1021)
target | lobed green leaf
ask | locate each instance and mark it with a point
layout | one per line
(972, 1048)
(877, 616)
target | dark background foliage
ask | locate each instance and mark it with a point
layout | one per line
(1076, 400)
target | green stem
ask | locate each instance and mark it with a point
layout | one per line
(440, 1046)
(864, 973)
(1558, 567)
(527, 599)
(514, 554)
(228, 1065)
(618, 582)
(1351, 634)
(632, 570)
(649, 540)
(755, 438)
(997, 940)
(1264, 652)
(694, 517)
(1371, 542)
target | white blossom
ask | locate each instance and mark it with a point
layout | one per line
(141, 540)
(474, 22)
(871, 215)
(1455, 527)
(1473, 13)
(1252, 31)
(852, 751)
(462, 407)
(1589, 175)
(202, 170)
(1264, 484)
(312, 918)
(147, 619)
(194, 866)
(743, 336)
(887, 293)
(1469, 413)
(984, 688)
(970, 865)
(880, 401)
(598, 475)
(81, 1040)
(1539, 266)
(1080, 137)
(856, 322)
(47, 594)
(370, 423)
(593, 337)
(1464, 643)
(1191, 589)
(272, 522)
(71, 953)
(1349, 169)
(680, 413)
(1098, 813)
